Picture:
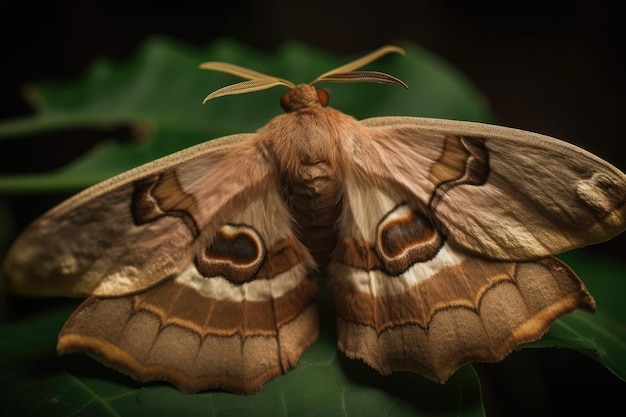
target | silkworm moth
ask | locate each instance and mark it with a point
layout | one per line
(437, 236)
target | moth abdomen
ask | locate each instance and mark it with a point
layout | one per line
(316, 208)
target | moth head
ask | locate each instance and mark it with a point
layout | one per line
(304, 95)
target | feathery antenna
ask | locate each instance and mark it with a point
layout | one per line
(344, 74)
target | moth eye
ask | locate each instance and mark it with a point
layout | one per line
(322, 95)
(288, 103)
(285, 101)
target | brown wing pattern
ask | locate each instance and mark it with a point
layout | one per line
(413, 295)
(241, 312)
(197, 341)
(499, 192)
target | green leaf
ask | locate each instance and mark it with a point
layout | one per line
(602, 335)
(159, 94)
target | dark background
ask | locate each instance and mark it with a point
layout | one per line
(554, 67)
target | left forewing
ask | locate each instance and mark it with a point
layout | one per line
(137, 228)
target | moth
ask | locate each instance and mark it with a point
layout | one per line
(437, 236)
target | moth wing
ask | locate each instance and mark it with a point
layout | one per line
(102, 242)
(195, 273)
(408, 299)
(445, 237)
(500, 192)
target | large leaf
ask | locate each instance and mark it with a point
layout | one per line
(602, 335)
(159, 93)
